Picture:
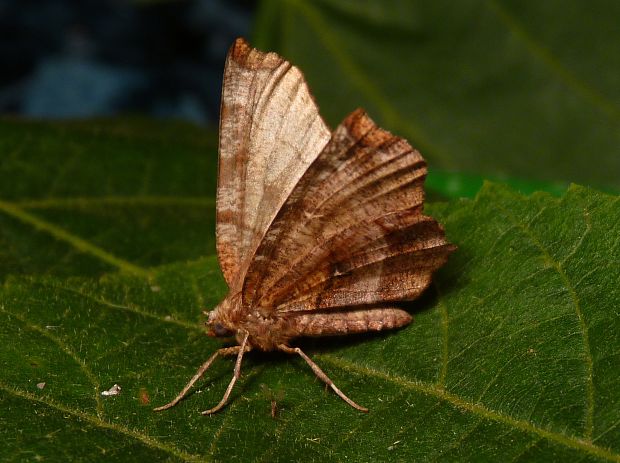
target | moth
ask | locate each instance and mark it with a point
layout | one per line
(318, 233)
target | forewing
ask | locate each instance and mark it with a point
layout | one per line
(352, 231)
(270, 132)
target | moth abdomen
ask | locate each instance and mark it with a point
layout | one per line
(348, 322)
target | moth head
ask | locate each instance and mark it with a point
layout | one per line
(216, 323)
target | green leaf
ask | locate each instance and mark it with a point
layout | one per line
(86, 176)
(499, 88)
(513, 354)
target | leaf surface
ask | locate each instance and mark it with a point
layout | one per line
(492, 87)
(513, 354)
(85, 176)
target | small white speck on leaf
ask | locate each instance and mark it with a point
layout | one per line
(114, 390)
(391, 447)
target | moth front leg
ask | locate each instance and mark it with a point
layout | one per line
(321, 375)
(201, 371)
(236, 374)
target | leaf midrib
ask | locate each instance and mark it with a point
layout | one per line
(75, 241)
(100, 423)
(475, 408)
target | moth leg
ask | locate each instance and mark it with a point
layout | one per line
(321, 375)
(236, 374)
(201, 371)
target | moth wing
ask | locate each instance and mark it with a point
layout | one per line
(352, 232)
(270, 132)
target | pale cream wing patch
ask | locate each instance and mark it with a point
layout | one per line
(270, 132)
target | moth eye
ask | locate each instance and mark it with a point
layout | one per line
(220, 330)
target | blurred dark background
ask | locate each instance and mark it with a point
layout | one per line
(523, 93)
(85, 58)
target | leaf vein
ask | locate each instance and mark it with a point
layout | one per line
(476, 408)
(445, 347)
(580, 241)
(75, 241)
(546, 57)
(266, 456)
(589, 418)
(421, 418)
(459, 442)
(132, 309)
(100, 423)
(217, 434)
(67, 350)
(526, 449)
(498, 372)
(364, 423)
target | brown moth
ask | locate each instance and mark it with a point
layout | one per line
(318, 233)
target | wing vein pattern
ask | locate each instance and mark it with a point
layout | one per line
(270, 132)
(352, 232)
